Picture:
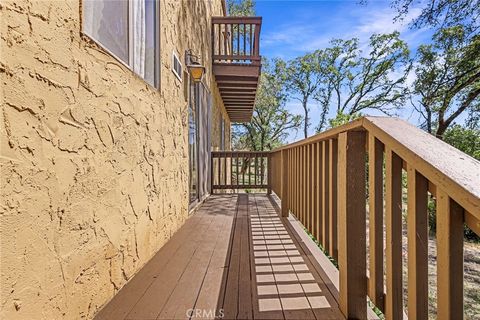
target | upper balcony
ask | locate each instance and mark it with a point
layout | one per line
(237, 63)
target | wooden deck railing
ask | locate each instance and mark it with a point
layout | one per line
(240, 170)
(235, 40)
(327, 181)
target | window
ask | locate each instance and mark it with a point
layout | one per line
(193, 142)
(129, 29)
(176, 66)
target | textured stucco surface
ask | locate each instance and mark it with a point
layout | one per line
(94, 162)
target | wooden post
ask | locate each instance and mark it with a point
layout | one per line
(319, 177)
(393, 226)
(284, 177)
(449, 258)
(351, 224)
(326, 194)
(308, 186)
(269, 173)
(332, 213)
(417, 225)
(211, 172)
(375, 189)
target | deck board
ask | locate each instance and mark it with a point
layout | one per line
(234, 258)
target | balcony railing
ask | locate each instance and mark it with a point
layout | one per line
(237, 63)
(323, 182)
(240, 170)
(236, 40)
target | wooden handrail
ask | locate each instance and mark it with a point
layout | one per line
(322, 181)
(239, 20)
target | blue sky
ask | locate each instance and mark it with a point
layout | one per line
(292, 28)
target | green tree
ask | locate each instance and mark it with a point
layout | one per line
(465, 138)
(352, 81)
(442, 13)
(271, 121)
(241, 8)
(447, 79)
(303, 81)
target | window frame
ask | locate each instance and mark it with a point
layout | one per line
(175, 55)
(129, 65)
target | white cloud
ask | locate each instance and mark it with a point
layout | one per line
(352, 21)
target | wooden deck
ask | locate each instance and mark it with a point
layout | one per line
(234, 259)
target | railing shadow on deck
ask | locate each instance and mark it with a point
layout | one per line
(272, 278)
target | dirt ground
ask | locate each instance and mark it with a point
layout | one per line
(471, 277)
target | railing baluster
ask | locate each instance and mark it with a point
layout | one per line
(218, 168)
(231, 169)
(256, 170)
(238, 39)
(249, 170)
(449, 257)
(393, 222)
(236, 171)
(256, 40)
(326, 194)
(311, 193)
(417, 225)
(352, 224)
(225, 35)
(297, 182)
(315, 160)
(269, 173)
(283, 174)
(375, 189)
(232, 41)
(308, 187)
(290, 180)
(251, 40)
(319, 191)
(332, 185)
(225, 168)
(244, 36)
(304, 187)
(299, 190)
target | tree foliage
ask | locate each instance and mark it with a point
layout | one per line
(447, 79)
(303, 81)
(271, 121)
(465, 138)
(353, 81)
(241, 8)
(442, 14)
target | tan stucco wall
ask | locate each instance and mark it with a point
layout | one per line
(94, 162)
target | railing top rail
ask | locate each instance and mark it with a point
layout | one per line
(445, 166)
(237, 20)
(328, 134)
(217, 153)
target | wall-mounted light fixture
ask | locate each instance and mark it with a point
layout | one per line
(194, 67)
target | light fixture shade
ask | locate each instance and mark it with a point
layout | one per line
(196, 72)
